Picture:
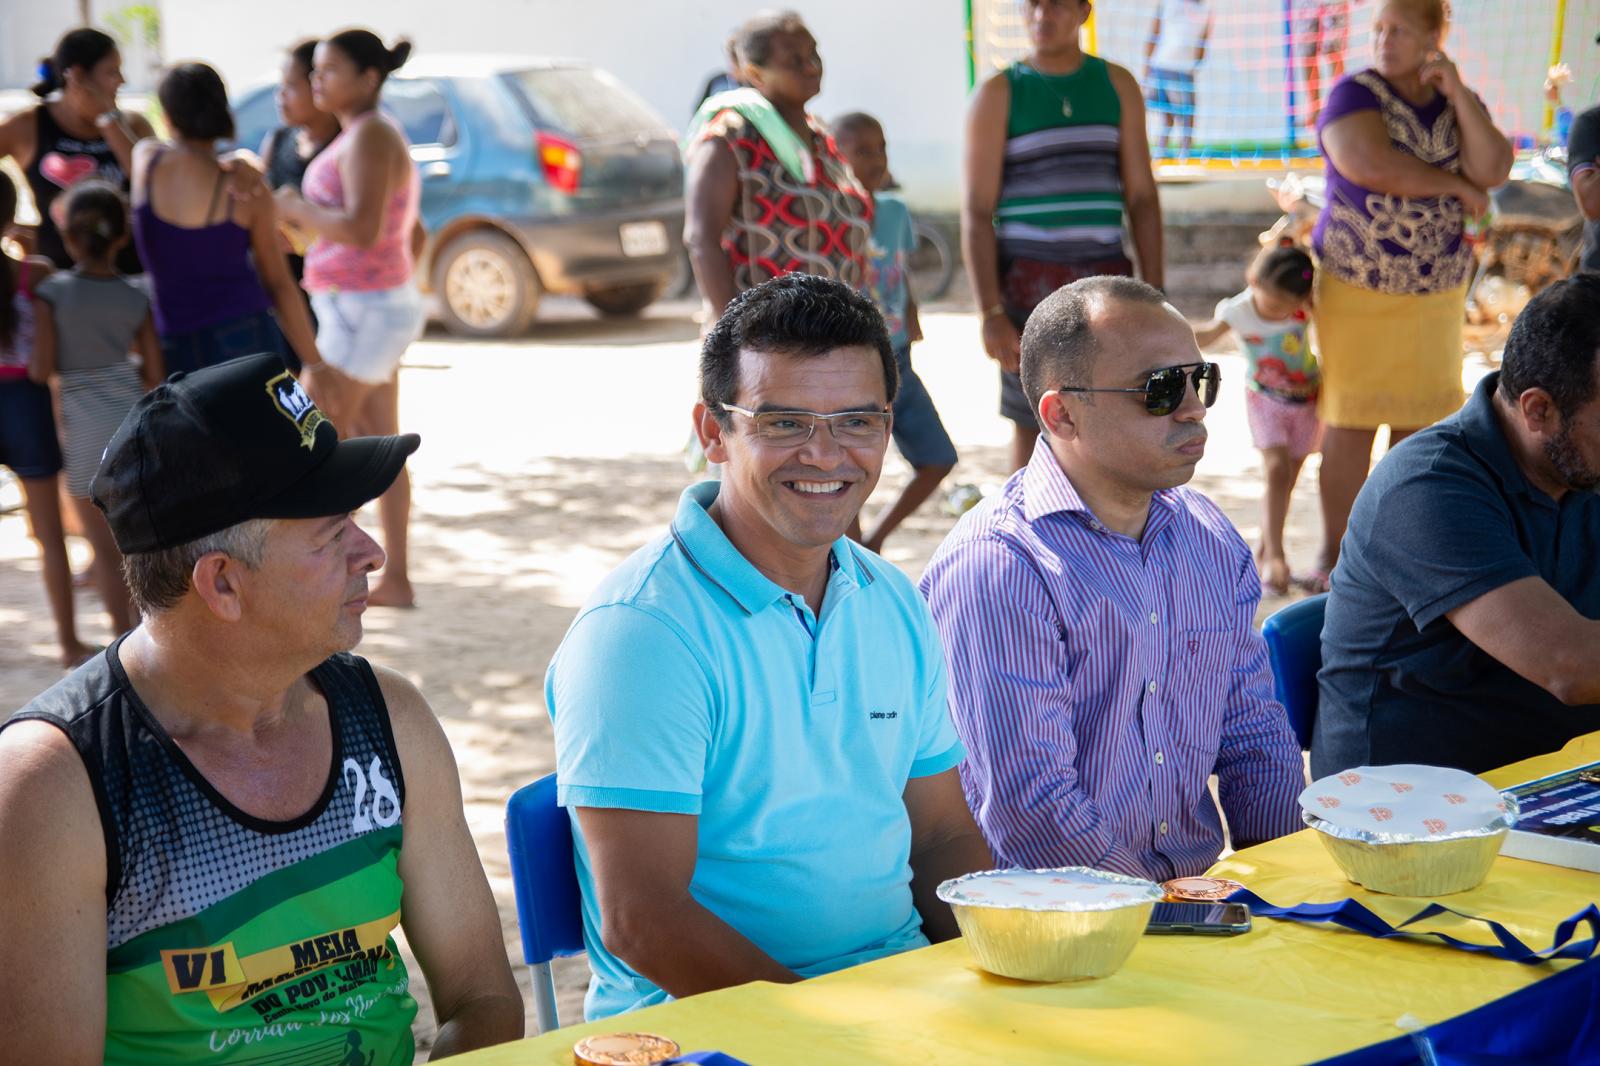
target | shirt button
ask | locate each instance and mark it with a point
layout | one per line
(1155, 619)
(1151, 686)
(1163, 827)
(1160, 758)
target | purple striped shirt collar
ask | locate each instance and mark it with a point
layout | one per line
(1047, 490)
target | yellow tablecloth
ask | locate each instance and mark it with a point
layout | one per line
(1284, 993)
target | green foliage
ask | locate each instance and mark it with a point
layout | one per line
(136, 22)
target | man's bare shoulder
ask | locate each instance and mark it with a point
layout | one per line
(1122, 80)
(418, 736)
(52, 900)
(41, 753)
(401, 694)
(44, 784)
(994, 89)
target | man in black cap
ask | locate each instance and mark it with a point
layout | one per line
(209, 832)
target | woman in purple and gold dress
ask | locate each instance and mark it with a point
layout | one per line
(1410, 151)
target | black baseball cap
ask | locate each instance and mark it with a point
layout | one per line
(210, 449)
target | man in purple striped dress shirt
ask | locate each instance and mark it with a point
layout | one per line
(1098, 618)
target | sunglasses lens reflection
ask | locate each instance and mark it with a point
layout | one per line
(1164, 391)
(1208, 383)
(1166, 388)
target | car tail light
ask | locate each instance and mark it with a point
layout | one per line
(561, 161)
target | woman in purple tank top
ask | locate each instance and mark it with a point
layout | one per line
(217, 268)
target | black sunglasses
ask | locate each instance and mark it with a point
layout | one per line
(1165, 388)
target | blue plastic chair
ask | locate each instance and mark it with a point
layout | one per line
(1294, 647)
(549, 908)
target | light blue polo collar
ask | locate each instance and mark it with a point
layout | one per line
(711, 552)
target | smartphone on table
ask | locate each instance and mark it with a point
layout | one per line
(1205, 919)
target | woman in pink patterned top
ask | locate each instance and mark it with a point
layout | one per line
(359, 197)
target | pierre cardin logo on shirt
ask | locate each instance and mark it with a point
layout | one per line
(292, 402)
(882, 716)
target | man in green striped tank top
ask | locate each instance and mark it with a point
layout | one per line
(210, 831)
(1056, 160)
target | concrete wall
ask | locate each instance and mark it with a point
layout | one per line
(902, 59)
(29, 30)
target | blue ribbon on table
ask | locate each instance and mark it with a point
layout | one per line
(1349, 914)
(1548, 1022)
(706, 1058)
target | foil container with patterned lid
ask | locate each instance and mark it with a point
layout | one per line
(1063, 924)
(1410, 830)
(1066, 888)
(1396, 804)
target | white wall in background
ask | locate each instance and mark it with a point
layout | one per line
(904, 60)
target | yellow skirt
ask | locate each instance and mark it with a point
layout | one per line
(1386, 359)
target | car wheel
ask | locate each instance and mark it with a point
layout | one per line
(931, 264)
(486, 286)
(624, 301)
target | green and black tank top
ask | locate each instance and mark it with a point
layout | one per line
(230, 939)
(1061, 186)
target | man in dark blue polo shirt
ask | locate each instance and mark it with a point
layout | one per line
(1461, 629)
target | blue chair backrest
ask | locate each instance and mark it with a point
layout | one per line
(549, 907)
(1294, 647)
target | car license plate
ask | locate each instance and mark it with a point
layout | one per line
(643, 238)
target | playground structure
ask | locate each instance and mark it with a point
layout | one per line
(1252, 111)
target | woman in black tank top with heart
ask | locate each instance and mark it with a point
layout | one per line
(75, 132)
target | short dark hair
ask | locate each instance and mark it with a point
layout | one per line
(854, 121)
(752, 41)
(1058, 343)
(1554, 343)
(368, 52)
(304, 54)
(1286, 269)
(96, 216)
(796, 315)
(83, 48)
(196, 102)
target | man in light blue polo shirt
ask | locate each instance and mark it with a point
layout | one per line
(750, 718)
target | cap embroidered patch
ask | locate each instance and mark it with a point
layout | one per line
(293, 403)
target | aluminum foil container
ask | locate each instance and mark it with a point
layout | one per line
(1409, 830)
(1065, 924)
(1413, 867)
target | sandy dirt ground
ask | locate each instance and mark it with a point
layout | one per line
(543, 464)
